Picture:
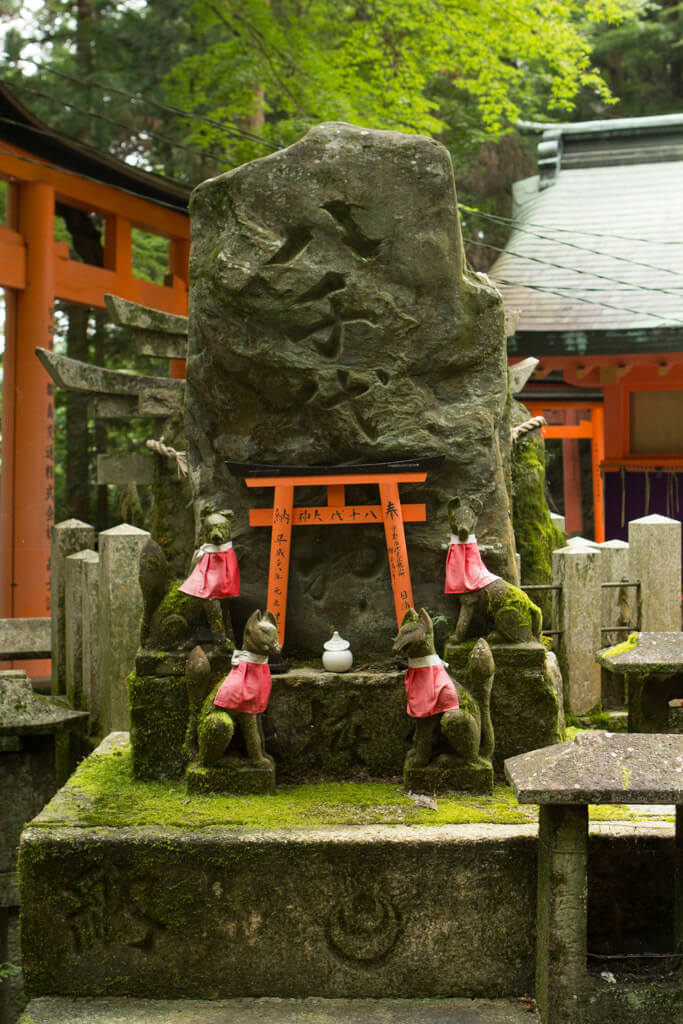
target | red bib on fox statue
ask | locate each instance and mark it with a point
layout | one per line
(215, 575)
(465, 570)
(429, 687)
(247, 687)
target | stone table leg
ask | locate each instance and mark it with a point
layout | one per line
(678, 895)
(561, 913)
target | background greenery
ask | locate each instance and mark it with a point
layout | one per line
(190, 89)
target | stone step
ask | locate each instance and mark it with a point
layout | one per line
(63, 1010)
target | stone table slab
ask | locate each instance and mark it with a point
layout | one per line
(601, 768)
(22, 712)
(655, 652)
(277, 1011)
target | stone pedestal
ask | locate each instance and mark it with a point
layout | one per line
(232, 776)
(653, 665)
(526, 702)
(597, 768)
(438, 779)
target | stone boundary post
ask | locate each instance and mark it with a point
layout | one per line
(655, 560)
(619, 608)
(67, 538)
(119, 614)
(577, 570)
(78, 598)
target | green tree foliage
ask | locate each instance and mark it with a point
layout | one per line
(280, 66)
(642, 61)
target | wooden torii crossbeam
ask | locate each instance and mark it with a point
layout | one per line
(284, 515)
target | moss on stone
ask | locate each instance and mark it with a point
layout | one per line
(629, 644)
(535, 533)
(103, 793)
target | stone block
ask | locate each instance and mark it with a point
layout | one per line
(337, 724)
(362, 911)
(158, 722)
(526, 702)
(675, 722)
(577, 570)
(655, 560)
(438, 779)
(131, 468)
(23, 638)
(67, 538)
(232, 776)
(119, 615)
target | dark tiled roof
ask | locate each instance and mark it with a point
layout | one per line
(601, 248)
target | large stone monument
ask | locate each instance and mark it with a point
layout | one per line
(333, 321)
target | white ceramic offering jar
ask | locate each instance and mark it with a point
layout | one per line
(337, 656)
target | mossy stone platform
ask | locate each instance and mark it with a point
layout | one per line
(340, 890)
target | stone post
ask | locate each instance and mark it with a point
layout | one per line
(68, 537)
(92, 681)
(77, 597)
(562, 913)
(558, 521)
(119, 614)
(577, 570)
(655, 560)
(619, 608)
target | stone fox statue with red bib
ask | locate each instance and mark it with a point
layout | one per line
(505, 613)
(214, 573)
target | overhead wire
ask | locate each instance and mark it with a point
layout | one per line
(516, 228)
(228, 127)
(109, 120)
(593, 302)
(573, 231)
(574, 270)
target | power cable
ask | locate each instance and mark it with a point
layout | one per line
(572, 231)
(228, 127)
(573, 270)
(110, 120)
(582, 248)
(578, 298)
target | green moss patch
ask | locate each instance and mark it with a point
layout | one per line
(629, 644)
(104, 793)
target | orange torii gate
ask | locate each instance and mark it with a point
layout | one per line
(284, 515)
(42, 169)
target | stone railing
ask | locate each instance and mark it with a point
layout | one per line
(601, 591)
(96, 612)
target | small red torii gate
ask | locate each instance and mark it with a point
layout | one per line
(284, 515)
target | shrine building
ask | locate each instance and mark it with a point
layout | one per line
(594, 264)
